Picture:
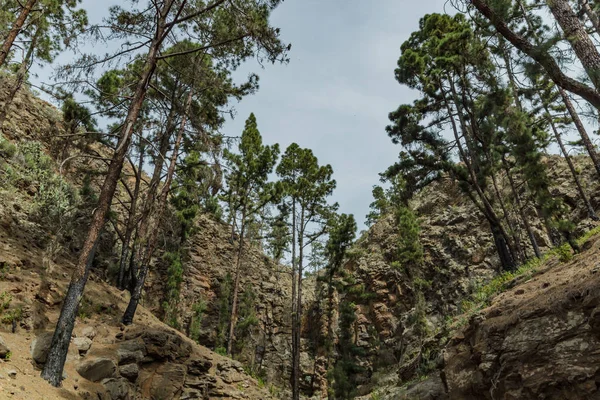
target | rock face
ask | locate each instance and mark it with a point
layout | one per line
(211, 256)
(539, 340)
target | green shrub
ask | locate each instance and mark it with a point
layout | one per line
(197, 314)
(564, 253)
(7, 149)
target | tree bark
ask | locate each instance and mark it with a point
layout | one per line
(15, 30)
(53, 369)
(577, 36)
(541, 57)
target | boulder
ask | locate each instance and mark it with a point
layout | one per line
(164, 382)
(4, 349)
(117, 389)
(40, 347)
(83, 344)
(89, 332)
(129, 371)
(97, 369)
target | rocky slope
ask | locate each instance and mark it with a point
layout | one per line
(106, 360)
(403, 326)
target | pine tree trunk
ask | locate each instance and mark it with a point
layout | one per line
(131, 220)
(236, 285)
(584, 198)
(150, 199)
(20, 78)
(14, 31)
(294, 377)
(592, 16)
(520, 207)
(298, 332)
(150, 244)
(576, 34)
(587, 142)
(53, 369)
(508, 263)
(509, 221)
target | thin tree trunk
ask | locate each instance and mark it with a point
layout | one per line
(299, 306)
(294, 377)
(149, 246)
(586, 202)
(14, 31)
(236, 285)
(577, 36)
(496, 226)
(23, 68)
(131, 220)
(509, 222)
(587, 142)
(53, 369)
(150, 199)
(592, 16)
(507, 263)
(520, 207)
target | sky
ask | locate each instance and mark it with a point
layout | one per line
(337, 90)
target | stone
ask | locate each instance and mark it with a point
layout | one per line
(12, 373)
(40, 346)
(89, 332)
(129, 371)
(164, 382)
(131, 351)
(161, 345)
(97, 369)
(117, 389)
(4, 349)
(83, 344)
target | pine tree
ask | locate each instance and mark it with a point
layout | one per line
(248, 191)
(436, 60)
(306, 186)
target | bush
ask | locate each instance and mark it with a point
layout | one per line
(197, 314)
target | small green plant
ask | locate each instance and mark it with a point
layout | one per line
(7, 149)
(85, 309)
(421, 283)
(197, 314)
(221, 351)
(8, 356)
(375, 395)
(12, 316)
(564, 253)
(5, 300)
